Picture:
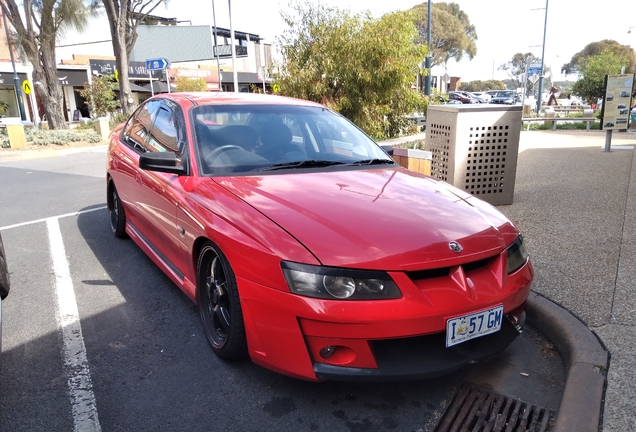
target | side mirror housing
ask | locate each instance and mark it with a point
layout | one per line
(162, 162)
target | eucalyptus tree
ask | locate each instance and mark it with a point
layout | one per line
(37, 24)
(360, 66)
(452, 34)
(124, 16)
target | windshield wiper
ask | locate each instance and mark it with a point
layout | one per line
(373, 162)
(301, 164)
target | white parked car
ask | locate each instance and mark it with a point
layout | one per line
(482, 96)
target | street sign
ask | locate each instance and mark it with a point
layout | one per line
(26, 87)
(533, 70)
(157, 64)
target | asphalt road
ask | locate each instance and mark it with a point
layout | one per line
(137, 358)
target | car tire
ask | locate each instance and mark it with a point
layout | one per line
(116, 213)
(219, 304)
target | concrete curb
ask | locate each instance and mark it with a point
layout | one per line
(585, 360)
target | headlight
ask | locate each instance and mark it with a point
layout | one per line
(336, 283)
(517, 254)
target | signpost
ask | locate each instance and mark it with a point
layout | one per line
(157, 64)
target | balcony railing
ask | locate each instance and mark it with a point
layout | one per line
(226, 51)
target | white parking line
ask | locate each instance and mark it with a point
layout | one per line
(83, 405)
(54, 217)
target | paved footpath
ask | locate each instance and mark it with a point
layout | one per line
(576, 206)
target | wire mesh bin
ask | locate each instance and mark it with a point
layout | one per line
(475, 148)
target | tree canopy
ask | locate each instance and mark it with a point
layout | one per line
(36, 29)
(360, 66)
(124, 16)
(452, 34)
(516, 67)
(595, 48)
(188, 84)
(478, 85)
(592, 70)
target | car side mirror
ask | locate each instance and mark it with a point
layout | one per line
(161, 162)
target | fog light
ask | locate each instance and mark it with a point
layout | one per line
(327, 351)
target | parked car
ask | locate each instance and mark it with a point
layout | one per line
(506, 97)
(482, 97)
(4, 286)
(306, 246)
(461, 98)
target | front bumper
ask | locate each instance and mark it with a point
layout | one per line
(423, 356)
(381, 340)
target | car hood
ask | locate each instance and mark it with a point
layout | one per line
(391, 219)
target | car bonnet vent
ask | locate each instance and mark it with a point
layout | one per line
(445, 271)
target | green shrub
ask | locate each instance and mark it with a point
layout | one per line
(60, 136)
(116, 118)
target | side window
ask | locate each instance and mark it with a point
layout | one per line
(137, 131)
(164, 136)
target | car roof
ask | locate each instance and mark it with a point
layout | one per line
(234, 98)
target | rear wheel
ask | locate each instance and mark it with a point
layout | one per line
(116, 212)
(219, 304)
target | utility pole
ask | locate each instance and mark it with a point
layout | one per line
(216, 48)
(541, 77)
(229, 3)
(427, 60)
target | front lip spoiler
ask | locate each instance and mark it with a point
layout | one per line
(423, 357)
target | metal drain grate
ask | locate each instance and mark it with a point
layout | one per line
(476, 409)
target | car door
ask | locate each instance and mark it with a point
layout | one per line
(161, 192)
(125, 158)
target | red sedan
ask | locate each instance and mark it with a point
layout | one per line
(306, 247)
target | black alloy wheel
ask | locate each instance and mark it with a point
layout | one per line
(116, 212)
(219, 304)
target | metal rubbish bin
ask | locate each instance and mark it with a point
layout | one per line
(475, 148)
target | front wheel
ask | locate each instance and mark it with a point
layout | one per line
(116, 212)
(219, 304)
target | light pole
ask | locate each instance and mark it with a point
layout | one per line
(545, 25)
(427, 60)
(229, 4)
(216, 48)
(16, 79)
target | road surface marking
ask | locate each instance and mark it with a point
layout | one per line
(83, 405)
(54, 217)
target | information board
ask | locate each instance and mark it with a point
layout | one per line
(617, 101)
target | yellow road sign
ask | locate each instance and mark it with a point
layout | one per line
(26, 87)
(116, 75)
(276, 88)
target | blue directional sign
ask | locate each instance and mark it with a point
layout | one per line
(157, 64)
(533, 70)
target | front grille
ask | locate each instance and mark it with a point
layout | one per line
(445, 271)
(477, 409)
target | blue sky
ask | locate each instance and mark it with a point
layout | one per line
(504, 27)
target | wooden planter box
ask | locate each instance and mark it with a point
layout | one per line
(414, 160)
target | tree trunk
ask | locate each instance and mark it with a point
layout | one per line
(49, 88)
(119, 47)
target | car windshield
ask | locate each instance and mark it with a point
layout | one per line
(251, 139)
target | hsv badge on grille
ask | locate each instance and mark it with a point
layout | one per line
(455, 247)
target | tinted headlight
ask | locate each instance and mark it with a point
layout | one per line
(336, 283)
(517, 254)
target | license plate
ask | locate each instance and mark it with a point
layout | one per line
(466, 327)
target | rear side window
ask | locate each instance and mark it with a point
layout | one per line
(164, 136)
(139, 126)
